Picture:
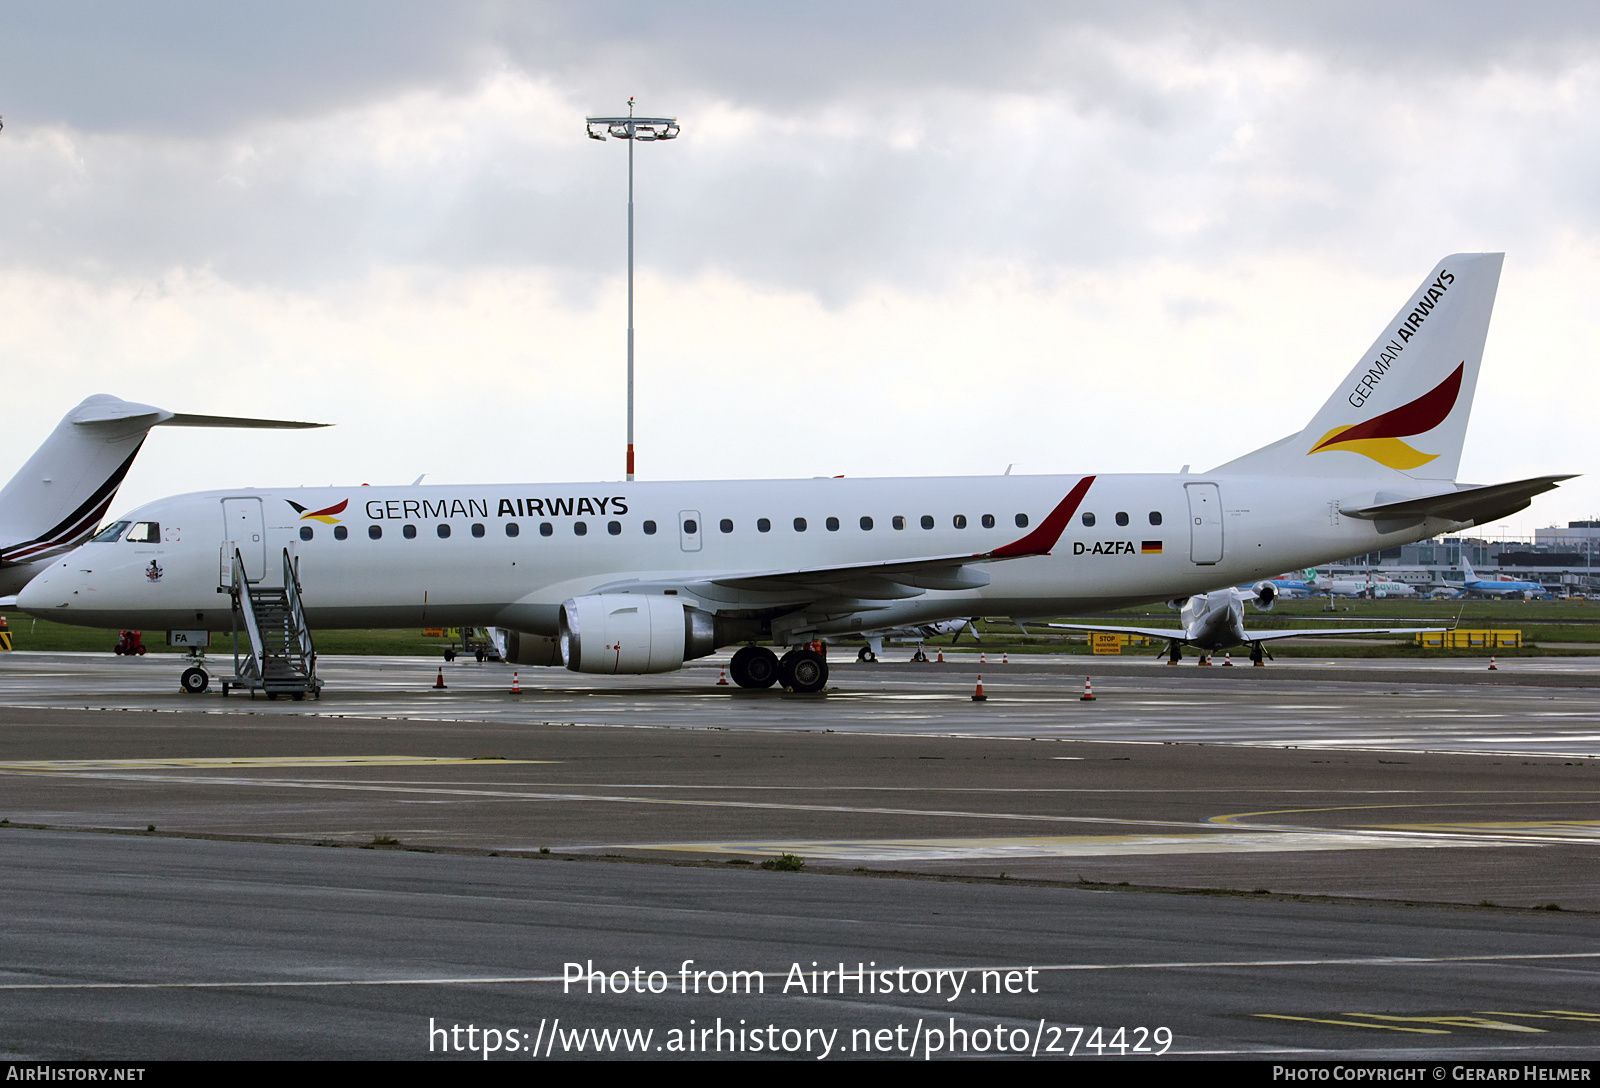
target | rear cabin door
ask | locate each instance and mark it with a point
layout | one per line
(1205, 523)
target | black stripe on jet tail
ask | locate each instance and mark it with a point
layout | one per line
(90, 510)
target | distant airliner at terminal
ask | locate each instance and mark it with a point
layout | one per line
(641, 577)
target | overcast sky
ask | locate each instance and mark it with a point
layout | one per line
(893, 238)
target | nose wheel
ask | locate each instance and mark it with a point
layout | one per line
(194, 681)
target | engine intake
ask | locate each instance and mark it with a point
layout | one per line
(632, 633)
(1266, 595)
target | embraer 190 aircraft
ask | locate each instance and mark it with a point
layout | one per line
(641, 577)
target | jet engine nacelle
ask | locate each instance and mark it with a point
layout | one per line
(1266, 595)
(632, 633)
(525, 649)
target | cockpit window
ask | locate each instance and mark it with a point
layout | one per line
(110, 532)
(144, 532)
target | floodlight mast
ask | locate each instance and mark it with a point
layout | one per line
(634, 130)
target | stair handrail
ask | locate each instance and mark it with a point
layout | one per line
(244, 606)
(291, 589)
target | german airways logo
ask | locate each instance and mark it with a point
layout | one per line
(1379, 437)
(325, 515)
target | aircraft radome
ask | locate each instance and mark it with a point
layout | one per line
(641, 577)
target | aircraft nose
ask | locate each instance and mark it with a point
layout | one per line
(53, 591)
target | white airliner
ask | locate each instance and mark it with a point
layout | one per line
(641, 577)
(58, 497)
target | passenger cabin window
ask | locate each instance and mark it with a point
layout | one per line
(443, 530)
(305, 532)
(409, 532)
(927, 521)
(512, 528)
(1122, 517)
(866, 524)
(144, 532)
(1022, 521)
(341, 532)
(690, 526)
(726, 525)
(110, 533)
(546, 529)
(375, 532)
(477, 528)
(614, 528)
(649, 528)
(988, 521)
(763, 525)
(832, 524)
(1155, 517)
(898, 522)
(1088, 519)
(960, 521)
(580, 528)
(799, 525)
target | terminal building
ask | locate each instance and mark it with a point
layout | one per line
(1566, 561)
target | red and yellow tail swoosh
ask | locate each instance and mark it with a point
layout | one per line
(1379, 437)
(325, 515)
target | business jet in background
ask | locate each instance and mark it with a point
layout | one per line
(1491, 587)
(641, 577)
(59, 496)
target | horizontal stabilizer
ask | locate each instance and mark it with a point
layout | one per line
(185, 419)
(1478, 505)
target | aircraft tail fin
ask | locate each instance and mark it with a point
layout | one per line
(59, 496)
(1404, 408)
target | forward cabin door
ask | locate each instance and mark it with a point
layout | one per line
(1205, 523)
(244, 529)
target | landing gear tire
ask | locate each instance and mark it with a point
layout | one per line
(866, 654)
(480, 657)
(803, 671)
(449, 656)
(754, 667)
(194, 681)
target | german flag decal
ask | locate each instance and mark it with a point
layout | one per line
(325, 515)
(1379, 437)
(1150, 547)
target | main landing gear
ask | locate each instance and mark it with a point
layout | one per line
(803, 670)
(754, 667)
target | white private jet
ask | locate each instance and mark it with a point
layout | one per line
(1214, 621)
(641, 577)
(58, 497)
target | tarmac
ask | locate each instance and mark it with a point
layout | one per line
(1298, 851)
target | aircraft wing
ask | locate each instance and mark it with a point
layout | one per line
(1148, 632)
(1475, 504)
(1273, 636)
(881, 579)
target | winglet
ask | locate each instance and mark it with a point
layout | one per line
(1042, 539)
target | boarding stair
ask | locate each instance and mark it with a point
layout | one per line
(276, 655)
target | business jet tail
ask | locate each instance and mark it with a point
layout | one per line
(58, 497)
(1402, 411)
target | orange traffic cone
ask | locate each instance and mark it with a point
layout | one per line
(1205, 659)
(941, 657)
(439, 683)
(1492, 666)
(516, 686)
(722, 680)
(1088, 692)
(983, 658)
(1227, 658)
(978, 696)
(1005, 658)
